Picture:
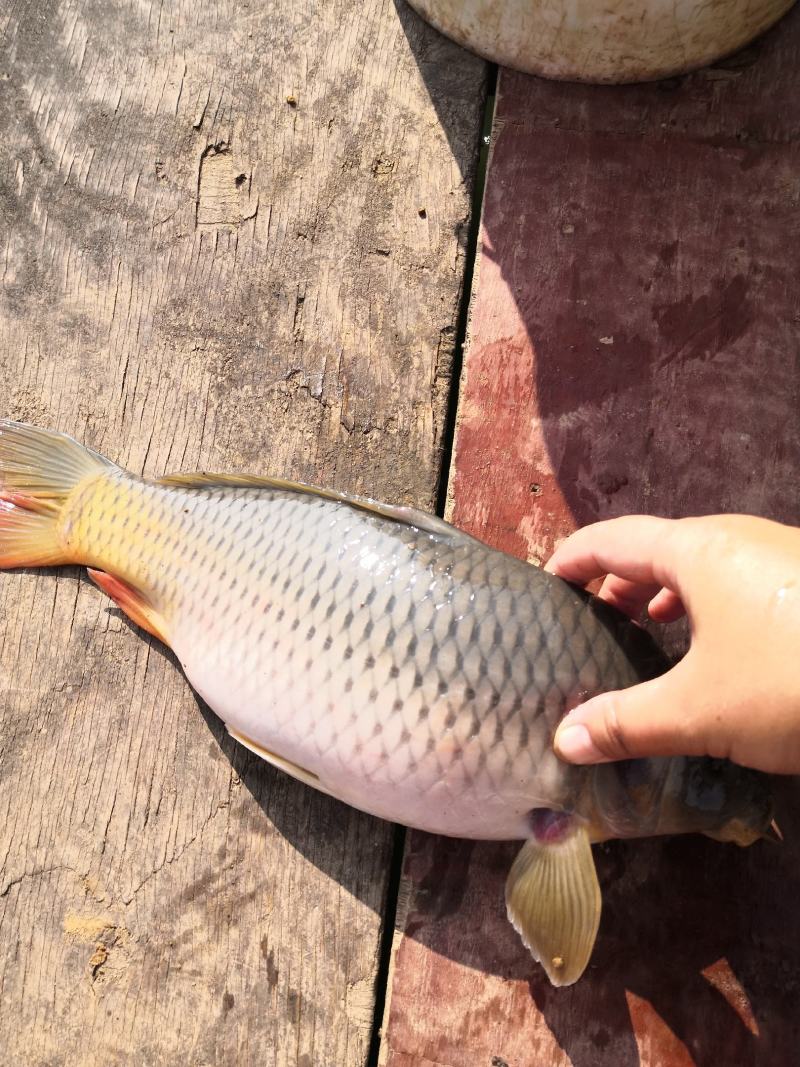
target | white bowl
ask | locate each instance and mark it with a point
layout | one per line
(602, 40)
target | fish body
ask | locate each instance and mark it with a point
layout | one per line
(382, 656)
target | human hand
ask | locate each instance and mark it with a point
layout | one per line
(736, 693)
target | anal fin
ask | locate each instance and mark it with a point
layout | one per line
(285, 765)
(553, 900)
(132, 603)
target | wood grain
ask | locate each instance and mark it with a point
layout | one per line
(634, 347)
(231, 238)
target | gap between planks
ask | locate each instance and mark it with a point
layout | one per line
(382, 982)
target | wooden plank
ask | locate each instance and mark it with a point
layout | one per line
(634, 347)
(231, 238)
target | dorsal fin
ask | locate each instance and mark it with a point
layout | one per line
(406, 516)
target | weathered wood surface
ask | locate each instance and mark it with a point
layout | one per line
(231, 237)
(634, 347)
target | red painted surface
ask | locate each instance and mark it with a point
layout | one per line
(634, 347)
(635, 329)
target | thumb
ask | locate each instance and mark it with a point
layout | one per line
(649, 719)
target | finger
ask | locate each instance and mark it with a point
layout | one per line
(639, 548)
(651, 719)
(630, 597)
(666, 606)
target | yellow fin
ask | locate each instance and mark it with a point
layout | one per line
(28, 539)
(42, 467)
(38, 471)
(553, 901)
(285, 765)
(132, 602)
(406, 516)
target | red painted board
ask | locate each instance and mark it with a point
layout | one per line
(634, 347)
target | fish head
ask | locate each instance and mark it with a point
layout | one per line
(736, 801)
(678, 795)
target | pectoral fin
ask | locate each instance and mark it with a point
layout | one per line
(553, 901)
(285, 765)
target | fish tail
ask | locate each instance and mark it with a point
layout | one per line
(39, 469)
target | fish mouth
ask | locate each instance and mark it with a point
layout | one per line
(741, 833)
(747, 814)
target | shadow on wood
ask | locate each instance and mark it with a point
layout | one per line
(443, 67)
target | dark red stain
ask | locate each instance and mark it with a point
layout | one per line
(702, 327)
(442, 888)
(667, 254)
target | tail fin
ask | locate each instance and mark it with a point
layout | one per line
(38, 471)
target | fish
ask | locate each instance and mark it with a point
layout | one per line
(385, 657)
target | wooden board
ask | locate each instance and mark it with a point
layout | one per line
(231, 237)
(634, 347)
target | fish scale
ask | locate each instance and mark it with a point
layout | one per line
(333, 635)
(383, 656)
(312, 664)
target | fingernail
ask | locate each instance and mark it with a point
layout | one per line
(574, 744)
